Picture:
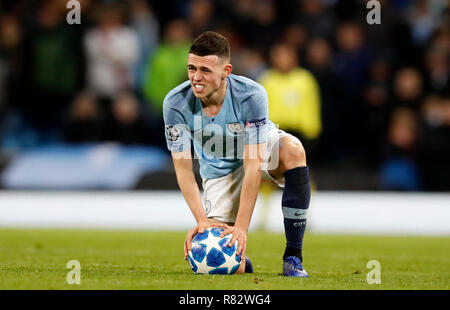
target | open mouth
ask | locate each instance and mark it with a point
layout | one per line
(199, 87)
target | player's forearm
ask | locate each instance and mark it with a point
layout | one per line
(249, 193)
(186, 181)
(191, 193)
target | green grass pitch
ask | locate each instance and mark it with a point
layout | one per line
(36, 259)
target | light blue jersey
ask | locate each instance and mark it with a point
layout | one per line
(219, 140)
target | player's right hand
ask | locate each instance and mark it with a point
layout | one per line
(200, 228)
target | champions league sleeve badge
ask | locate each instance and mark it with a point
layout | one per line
(256, 123)
(173, 133)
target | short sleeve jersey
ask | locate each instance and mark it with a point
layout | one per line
(218, 140)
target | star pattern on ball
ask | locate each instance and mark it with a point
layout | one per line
(217, 255)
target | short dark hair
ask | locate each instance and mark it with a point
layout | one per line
(211, 43)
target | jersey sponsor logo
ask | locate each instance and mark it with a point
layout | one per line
(255, 123)
(173, 133)
(235, 127)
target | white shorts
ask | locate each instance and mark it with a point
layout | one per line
(221, 195)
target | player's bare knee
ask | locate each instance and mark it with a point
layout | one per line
(292, 153)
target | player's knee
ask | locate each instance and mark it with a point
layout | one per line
(292, 153)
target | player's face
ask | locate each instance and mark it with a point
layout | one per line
(207, 74)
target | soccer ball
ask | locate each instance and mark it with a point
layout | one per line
(210, 254)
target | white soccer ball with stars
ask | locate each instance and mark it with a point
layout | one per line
(210, 254)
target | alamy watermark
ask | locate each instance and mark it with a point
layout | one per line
(374, 275)
(213, 141)
(74, 15)
(374, 15)
(74, 275)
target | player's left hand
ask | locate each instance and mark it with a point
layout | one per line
(238, 234)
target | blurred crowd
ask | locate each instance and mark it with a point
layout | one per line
(377, 94)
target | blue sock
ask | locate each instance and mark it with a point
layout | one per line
(295, 203)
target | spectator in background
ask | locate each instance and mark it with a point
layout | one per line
(12, 133)
(408, 88)
(261, 29)
(166, 68)
(351, 64)
(85, 121)
(241, 14)
(399, 170)
(392, 37)
(53, 67)
(353, 57)
(249, 62)
(3, 87)
(319, 60)
(146, 27)
(296, 36)
(10, 39)
(112, 51)
(317, 20)
(423, 21)
(200, 14)
(128, 124)
(294, 98)
(434, 147)
(441, 37)
(378, 90)
(436, 60)
(377, 107)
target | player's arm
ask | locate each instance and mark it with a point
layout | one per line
(253, 158)
(182, 162)
(179, 144)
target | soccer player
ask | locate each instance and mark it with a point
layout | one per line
(225, 117)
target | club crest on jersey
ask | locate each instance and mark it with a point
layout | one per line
(255, 123)
(235, 127)
(173, 133)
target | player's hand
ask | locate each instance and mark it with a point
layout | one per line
(239, 235)
(200, 228)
